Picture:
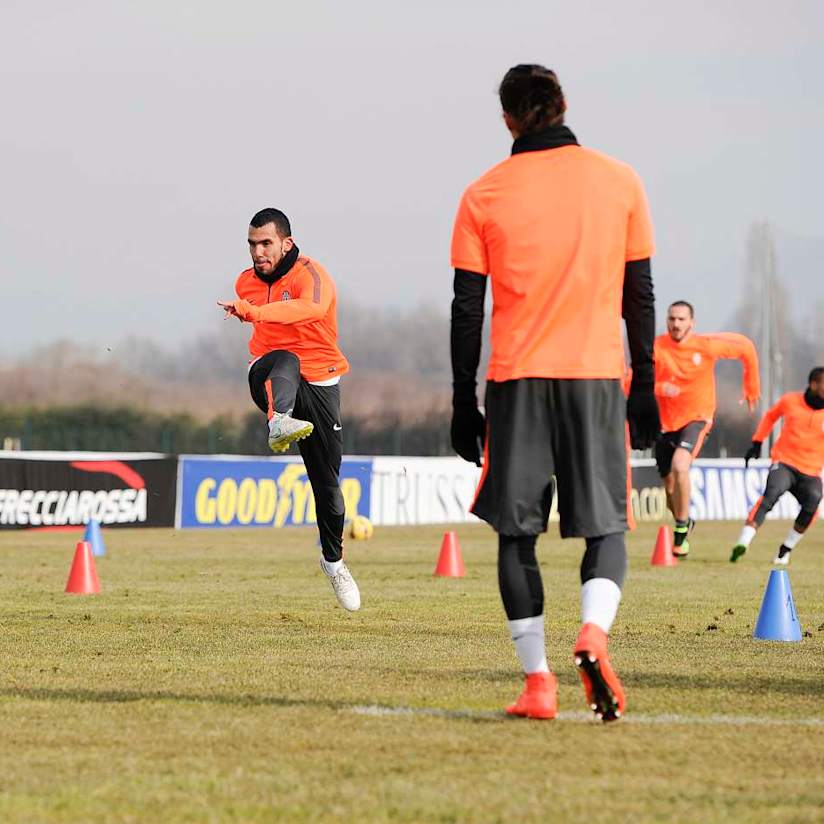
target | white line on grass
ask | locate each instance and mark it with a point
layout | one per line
(586, 717)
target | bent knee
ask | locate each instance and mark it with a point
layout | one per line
(681, 462)
(809, 509)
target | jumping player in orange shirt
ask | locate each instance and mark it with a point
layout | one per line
(296, 367)
(685, 389)
(563, 232)
(798, 461)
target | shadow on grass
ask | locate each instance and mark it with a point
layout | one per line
(724, 681)
(245, 701)
(680, 682)
(128, 696)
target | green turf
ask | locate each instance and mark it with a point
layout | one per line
(215, 679)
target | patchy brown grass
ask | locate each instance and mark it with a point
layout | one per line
(216, 680)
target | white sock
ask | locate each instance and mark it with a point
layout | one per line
(792, 538)
(599, 602)
(528, 636)
(330, 567)
(746, 536)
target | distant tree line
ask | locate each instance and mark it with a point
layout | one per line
(103, 429)
(395, 401)
(99, 429)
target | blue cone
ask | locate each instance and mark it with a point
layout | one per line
(778, 620)
(95, 537)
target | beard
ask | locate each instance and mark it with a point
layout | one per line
(267, 268)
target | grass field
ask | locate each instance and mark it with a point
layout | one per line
(215, 679)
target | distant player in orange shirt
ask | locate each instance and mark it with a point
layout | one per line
(798, 461)
(563, 232)
(685, 389)
(295, 369)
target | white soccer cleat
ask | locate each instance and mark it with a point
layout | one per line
(284, 430)
(346, 590)
(782, 560)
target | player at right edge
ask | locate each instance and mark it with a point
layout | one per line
(798, 461)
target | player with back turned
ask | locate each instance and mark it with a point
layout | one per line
(685, 388)
(295, 372)
(564, 234)
(798, 461)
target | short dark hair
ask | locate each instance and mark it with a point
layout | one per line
(816, 375)
(269, 215)
(532, 96)
(684, 303)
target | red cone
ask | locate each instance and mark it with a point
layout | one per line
(662, 554)
(83, 576)
(450, 563)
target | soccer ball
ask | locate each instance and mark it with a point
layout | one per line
(361, 528)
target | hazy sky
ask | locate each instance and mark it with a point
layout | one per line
(139, 137)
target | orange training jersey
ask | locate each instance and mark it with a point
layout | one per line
(554, 229)
(299, 316)
(685, 375)
(801, 442)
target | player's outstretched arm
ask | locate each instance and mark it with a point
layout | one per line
(228, 306)
(310, 302)
(730, 345)
(766, 423)
(312, 296)
(639, 314)
(468, 426)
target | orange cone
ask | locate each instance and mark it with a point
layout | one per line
(662, 554)
(83, 576)
(450, 563)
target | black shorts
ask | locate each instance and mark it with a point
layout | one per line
(690, 437)
(546, 433)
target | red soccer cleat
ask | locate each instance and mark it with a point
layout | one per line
(605, 695)
(539, 698)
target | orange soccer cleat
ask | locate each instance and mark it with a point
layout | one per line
(539, 698)
(605, 695)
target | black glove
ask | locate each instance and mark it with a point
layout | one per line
(468, 431)
(642, 415)
(753, 453)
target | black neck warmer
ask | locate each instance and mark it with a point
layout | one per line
(552, 138)
(286, 263)
(813, 401)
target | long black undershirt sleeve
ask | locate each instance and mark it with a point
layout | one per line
(465, 336)
(639, 313)
(468, 318)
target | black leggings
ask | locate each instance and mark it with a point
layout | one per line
(276, 376)
(519, 576)
(806, 489)
(274, 380)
